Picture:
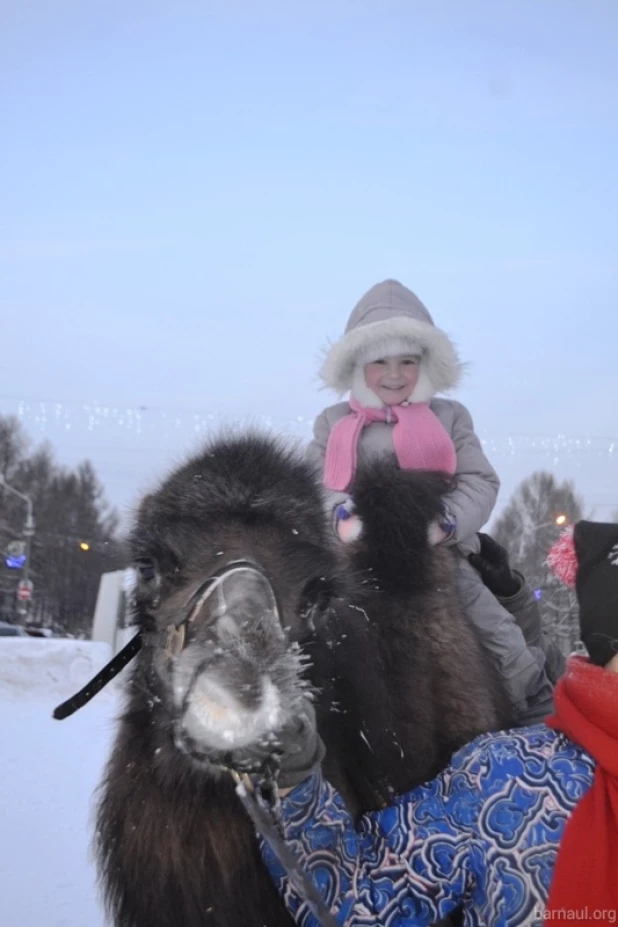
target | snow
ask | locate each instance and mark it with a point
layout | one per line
(49, 771)
(48, 668)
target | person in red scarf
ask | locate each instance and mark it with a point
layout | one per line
(520, 830)
(586, 710)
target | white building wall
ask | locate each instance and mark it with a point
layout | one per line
(110, 623)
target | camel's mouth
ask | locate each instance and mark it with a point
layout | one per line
(217, 720)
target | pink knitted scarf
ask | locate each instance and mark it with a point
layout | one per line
(420, 441)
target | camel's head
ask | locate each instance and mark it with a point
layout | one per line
(236, 566)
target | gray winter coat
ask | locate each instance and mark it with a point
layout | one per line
(390, 319)
(472, 500)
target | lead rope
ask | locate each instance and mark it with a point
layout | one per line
(98, 682)
(266, 826)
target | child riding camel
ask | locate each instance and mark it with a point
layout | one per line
(393, 361)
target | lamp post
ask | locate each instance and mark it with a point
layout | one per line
(28, 529)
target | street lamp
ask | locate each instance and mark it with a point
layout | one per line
(559, 520)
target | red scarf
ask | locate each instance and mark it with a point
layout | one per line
(420, 441)
(585, 878)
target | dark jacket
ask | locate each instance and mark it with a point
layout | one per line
(524, 608)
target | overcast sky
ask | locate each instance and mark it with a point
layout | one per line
(193, 195)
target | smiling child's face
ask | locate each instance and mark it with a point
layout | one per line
(393, 379)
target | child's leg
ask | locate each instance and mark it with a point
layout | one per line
(528, 688)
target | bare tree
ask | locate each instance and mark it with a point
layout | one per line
(13, 446)
(531, 522)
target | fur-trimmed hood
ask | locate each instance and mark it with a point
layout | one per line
(390, 319)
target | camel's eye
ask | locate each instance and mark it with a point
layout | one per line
(146, 570)
(147, 582)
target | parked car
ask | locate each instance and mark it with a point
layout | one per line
(35, 631)
(12, 630)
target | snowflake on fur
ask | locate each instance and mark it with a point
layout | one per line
(562, 559)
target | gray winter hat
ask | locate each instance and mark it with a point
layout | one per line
(390, 319)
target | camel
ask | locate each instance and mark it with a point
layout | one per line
(246, 603)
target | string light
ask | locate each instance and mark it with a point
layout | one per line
(47, 417)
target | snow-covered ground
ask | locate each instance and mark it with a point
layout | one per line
(49, 771)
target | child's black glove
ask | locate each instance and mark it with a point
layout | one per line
(493, 565)
(299, 747)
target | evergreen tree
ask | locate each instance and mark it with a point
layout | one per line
(75, 539)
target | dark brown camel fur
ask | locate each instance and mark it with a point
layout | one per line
(401, 680)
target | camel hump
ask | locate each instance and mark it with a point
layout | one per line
(397, 508)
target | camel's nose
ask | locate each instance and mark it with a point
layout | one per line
(239, 602)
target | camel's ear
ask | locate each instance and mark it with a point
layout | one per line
(315, 599)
